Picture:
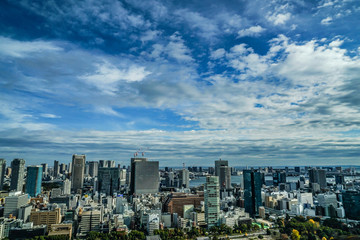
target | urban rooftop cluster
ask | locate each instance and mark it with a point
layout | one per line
(99, 199)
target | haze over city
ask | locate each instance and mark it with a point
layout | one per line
(253, 82)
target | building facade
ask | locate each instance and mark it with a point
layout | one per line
(144, 176)
(33, 180)
(318, 176)
(351, 203)
(2, 172)
(252, 191)
(279, 177)
(218, 164)
(109, 180)
(77, 172)
(184, 178)
(225, 177)
(212, 201)
(14, 202)
(17, 174)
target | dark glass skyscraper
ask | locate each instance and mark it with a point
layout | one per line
(17, 174)
(144, 176)
(33, 180)
(252, 191)
(279, 177)
(2, 172)
(218, 164)
(56, 168)
(77, 173)
(109, 180)
(351, 202)
(318, 176)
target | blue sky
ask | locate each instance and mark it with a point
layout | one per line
(251, 81)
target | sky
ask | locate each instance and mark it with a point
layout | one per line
(253, 82)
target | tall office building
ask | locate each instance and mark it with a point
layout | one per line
(45, 169)
(218, 164)
(33, 180)
(122, 176)
(279, 177)
(106, 163)
(93, 168)
(109, 180)
(17, 175)
(144, 176)
(14, 202)
(77, 173)
(90, 221)
(212, 201)
(318, 176)
(56, 168)
(62, 168)
(184, 179)
(225, 177)
(170, 179)
(252, 191)
(340, 179)
(2, 172)
(351, 202)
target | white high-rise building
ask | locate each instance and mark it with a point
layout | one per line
(90, 221)
(13, 202)
(212, 201)
(184, 178)
(66, 187)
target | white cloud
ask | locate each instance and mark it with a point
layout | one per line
(202, 26)
(49, 115)
(326, 21)
(149, 35)
(253, 31)
(107, 76)
(279, 19)
(20, 49)
(218, 53)
(107, 110)
(336, 43)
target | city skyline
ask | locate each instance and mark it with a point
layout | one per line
(252, 82)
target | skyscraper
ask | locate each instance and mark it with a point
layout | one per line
(318, 176)
(212, 201)
(13, 202)
(93, 168)
(109, 180)
(2, 172)
(225, 177)
(56, 168)
(77, 172)
(218, 164)
(279, 177)
(351, 202)
(252, 191)
(33, 180)
(144, 176)
(17, 175)
(184, 178)
(106, 163)
(45, 169)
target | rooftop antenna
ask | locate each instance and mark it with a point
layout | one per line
(183, 165)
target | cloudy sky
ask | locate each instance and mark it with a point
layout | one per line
(251, 81)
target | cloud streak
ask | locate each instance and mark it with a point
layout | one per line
(191, 82)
